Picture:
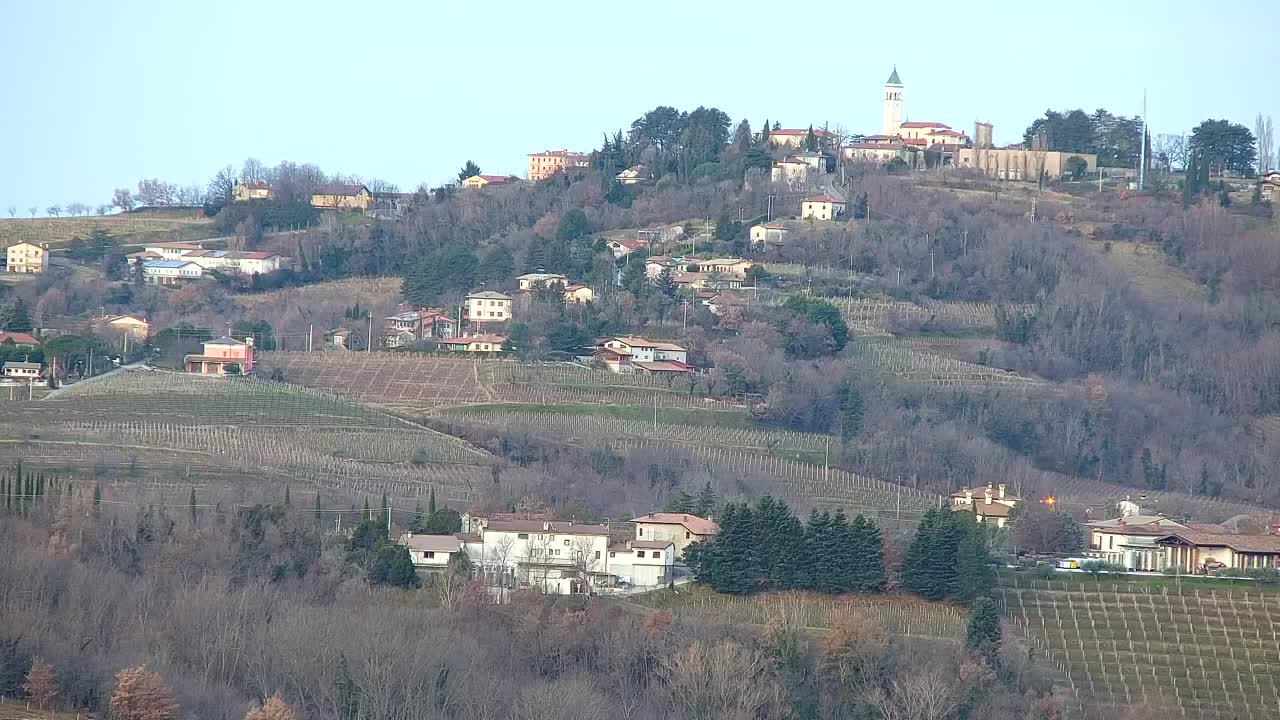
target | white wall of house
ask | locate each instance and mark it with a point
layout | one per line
(643, 567)
(677, 535)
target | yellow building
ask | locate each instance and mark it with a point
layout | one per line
(478, 181)
(574, 294)
(990, 505)
(342, 197)
(795, 137)
(822, 207)
(136, 327)
(545, 164)
(488, 306)
(27, 258)
(1015, 163)
(243, 192)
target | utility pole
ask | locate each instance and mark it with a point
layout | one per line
(1142, 162)
(964, 242)
(311, 330)
(368, 345)
(388, 517)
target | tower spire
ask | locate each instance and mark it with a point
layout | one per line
(893, 77)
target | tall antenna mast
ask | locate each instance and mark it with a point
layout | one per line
(1142, 162)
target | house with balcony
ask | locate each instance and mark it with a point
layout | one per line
(25, 371)
(1130, 541)
(636, 354)
(642, 563)
(487, 306)
(27, 258)
(487, 343)
(556, 556)
(219, 355)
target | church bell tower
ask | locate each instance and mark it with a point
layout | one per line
(892, 104)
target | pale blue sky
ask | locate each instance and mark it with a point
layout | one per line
(97, 95)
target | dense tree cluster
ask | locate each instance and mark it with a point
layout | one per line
(765, 546)
(948, 558)
(1116, 140)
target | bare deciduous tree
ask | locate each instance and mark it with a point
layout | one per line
(923, 694)
(142, 695)
(586, 559)
(104, 209)
(253, 171)
(54, 211)
(13, 210)
(123, 199)
(1170, 150)
(275, 708)
(1266, 142)
(33, 210)
(41, 686)
(722, 680)
(495, 564)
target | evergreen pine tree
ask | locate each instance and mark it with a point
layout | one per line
(367, 514)
(764, 134)
(810, 140)
(974, 575)
(707, 501)
(850, 412)
(727, 561)
(781, 538)
(922, 571)
(868, 560)
(816, 571)
(983, 633)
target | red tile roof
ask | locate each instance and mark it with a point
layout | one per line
(924, 125)
(824, 199)
(916, 141)
(341, 190)
(495, 178)
(818, 132)
(692, 523)
(19, 338)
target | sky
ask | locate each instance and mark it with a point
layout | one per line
(97, 95)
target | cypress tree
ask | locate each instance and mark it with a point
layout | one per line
(39, 495)
(287, 501)
(707, 501)
(191, 504)
(317, 507)
(922, 571)
(97, 499)
(431, 502)
(850, 412)
(367, 514)
(817, 569)
(974, 576)
(385, 513)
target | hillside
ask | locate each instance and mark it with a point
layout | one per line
(147, 225)
(1189, 651)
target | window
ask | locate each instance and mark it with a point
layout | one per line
(556, 552)
(611, 554)
(566, 543)
(640, 532)
(597, 554)
(523, 536)
(639, 553)
(686, 534)
(657, 554)
(428, 554)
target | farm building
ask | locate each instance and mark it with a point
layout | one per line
(244, 192)
(170, 272)
(19, 338)
(473, 343)
(642, 563)
(342, 197)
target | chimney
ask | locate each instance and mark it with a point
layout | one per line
(987, 494)
(1001, 488)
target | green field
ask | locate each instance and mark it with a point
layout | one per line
(152, 225)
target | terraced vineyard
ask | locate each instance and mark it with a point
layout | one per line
(420, 382)
(734, 452)
(1197, 653)
(168, 425)
(920, 366)
(141, 226)
(870, 316)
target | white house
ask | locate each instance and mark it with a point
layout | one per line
(633, 175)
(1130, 541)
(679, 529)
(170, 272)
(529, 280)
(28, 371)
(431, 552)
(170, 250)
(643, 563)
(771, 233)
(624, 247)
(560, 557)
(628, 354)
(249, 263)
(989, 505)
(27, 258)
(821, 207)
(791, 170)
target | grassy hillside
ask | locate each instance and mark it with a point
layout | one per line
(129, 228)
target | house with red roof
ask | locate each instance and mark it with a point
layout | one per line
(19, 338)
(679, 529)
(624, 247)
